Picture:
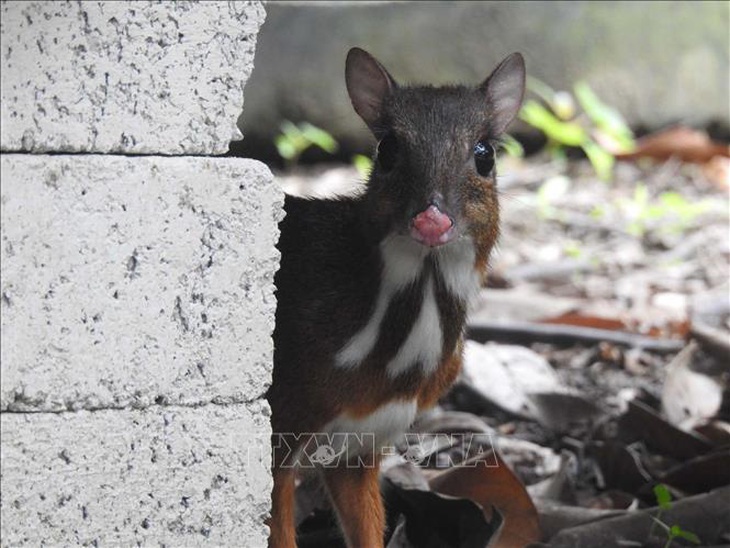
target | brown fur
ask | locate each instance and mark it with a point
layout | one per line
(281, 524)
(355, 494)
(482, 210)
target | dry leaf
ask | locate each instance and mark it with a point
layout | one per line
(717, 171)
(641, 422)
(434, 520)
(562, 412)
(506, 374)
(494, 486)
(701, 474)
(620, 466)
(687, 144)
(707, 515)
(656, 326)
(575, 318)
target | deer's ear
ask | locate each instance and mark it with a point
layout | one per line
(368, 84)
(504, 90)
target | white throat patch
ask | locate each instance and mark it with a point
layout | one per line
(456, 262)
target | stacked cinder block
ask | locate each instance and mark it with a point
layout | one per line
(137, 277)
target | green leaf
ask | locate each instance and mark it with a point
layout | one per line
(293, 140)
(363, 165)
(563, 105)
(601, 160)
(598, 212)
(687, 535)
(319, 137)
(663, 496)
(566, 133)
(603, 116)
(655, 212)
(572, 250)
(285, 147)
(290, 130)
(676, 203)
(512, 146)
(673, 200)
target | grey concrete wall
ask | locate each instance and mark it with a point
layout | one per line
(141, 77)
(161, 476)
(656, 62)
(137, 279)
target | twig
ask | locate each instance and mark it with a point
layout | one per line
(565, 335)
(713, 339)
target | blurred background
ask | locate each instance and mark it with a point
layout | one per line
(657, 63)
(599, 351)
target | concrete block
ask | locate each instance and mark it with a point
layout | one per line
(133, 281)
(163, 476)
(125, 77)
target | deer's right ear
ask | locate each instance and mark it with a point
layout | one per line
(368, 84)
(504, 90)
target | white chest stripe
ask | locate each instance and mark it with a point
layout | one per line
(402, 263)
(425, 341)
(359, 346)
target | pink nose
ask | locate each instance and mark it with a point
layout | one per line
(432, 227)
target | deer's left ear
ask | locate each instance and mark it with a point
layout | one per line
(504, 90)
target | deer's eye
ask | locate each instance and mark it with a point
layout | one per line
(484, 157)
(387, 153)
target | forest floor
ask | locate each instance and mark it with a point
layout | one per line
(593, 408)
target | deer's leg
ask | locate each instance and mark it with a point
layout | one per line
(281, 525)
(355, 494)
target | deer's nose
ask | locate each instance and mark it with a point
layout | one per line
(432, 227)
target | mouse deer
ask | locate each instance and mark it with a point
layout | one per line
(373, 290)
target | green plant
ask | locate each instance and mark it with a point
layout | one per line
(664, 502)
(295, 139)
(673, 210)
(599, 129)
(363, 165)
(512, 146)
(573, 250)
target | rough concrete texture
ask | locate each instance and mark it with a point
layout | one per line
(656, 62)
(164, 476)
(129, 77)
(128, 282)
